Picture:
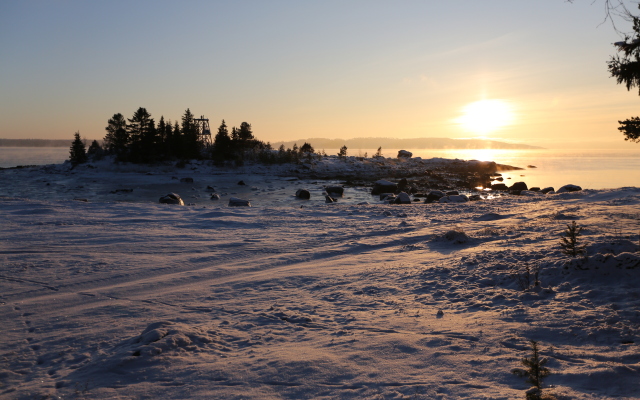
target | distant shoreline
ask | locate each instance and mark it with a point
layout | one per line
(35, 142)
(413, 143)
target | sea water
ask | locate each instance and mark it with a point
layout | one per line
(15, 156)
(590, 169)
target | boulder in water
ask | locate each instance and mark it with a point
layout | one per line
(303, 194)
(236, 202)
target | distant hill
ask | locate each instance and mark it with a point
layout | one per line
(417, 143)
(35, 143)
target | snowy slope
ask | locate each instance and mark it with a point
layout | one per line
(133, 300)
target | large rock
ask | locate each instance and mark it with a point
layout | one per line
(402, 198)
(236, 202)
(454, 199)
(547, 190)
(171, 198)
(499, 186)
(405, 154)
(519, 186)
(186, 180)
(434, 195)
(303, 194)
(385, 195)
(334, 191)
(569, 188)
(383, 186)
(482, 167)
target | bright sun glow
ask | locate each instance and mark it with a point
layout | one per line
(486, 116)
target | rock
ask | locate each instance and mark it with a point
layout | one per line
(519, 186)
(547, 190)
(122, 191)
(171, 198)
(534, 189)
(390, 198)
(482, 167)
(405, 154)
(303, 194)
(531, 166)
(440, 314)
(241, 183)
(334, 191)
(500, 179)
(499, 186)
(383, 186)
(569, 188)
(475, 197)
(385, 195)
(236, 202)
(210, 189)
(215, 197)
(434, 195)
(402, 198)
(186, 180)
(452, 193)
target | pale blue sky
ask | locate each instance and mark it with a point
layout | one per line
(298, 69)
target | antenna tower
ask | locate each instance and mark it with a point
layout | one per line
(204, 132)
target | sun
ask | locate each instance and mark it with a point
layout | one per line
(486, 116)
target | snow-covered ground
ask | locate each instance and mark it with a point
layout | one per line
(120, 297)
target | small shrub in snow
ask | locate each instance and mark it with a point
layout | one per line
(569, 242)
(534, 371)
(526, 277)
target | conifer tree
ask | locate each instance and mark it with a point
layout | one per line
(94, 150)
(77, 152)
(190, 141)
(222, 141)
(626, 70)
(142, 133)
(116, 140)
(569, 242)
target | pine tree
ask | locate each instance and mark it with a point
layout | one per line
(94, 150)
(626, 70)
(307, 148)
(77, 152)
(116, 141)
(191, 145)
(535, 370)
(343, 152)
(569, 242)
(222, 142)
(244, 133)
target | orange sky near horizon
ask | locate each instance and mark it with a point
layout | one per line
(330, 69)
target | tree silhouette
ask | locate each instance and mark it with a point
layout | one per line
(117, 138)
(143, 136)
(77, 152)
(625, 67)
(191, 145)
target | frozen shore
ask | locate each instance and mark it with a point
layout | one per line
(119, 297)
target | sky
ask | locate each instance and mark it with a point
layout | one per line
(300, 69)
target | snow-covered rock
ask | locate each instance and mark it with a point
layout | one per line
(171, 198)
